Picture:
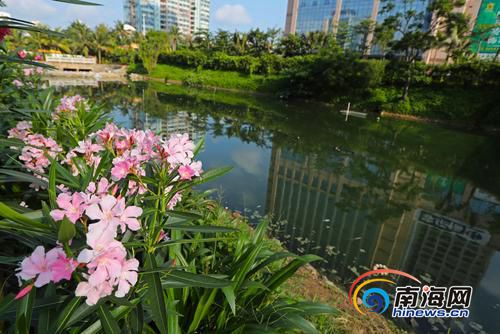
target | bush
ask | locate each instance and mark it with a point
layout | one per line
(129, 244)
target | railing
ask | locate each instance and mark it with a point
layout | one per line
(72, 59)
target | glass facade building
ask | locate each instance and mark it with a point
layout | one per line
(331, 15)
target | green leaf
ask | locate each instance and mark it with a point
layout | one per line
(67, 230)
(195, 280)
(24, 312)
(79, 2)
(52, 186)
(24, 177)
(155, 295)
(212, 174)
(231, 299)
(185, 215)
(286, 272)
(66, 315)
(199, 146)
(47, 316)
(23, 219)
(83, 311)
(108, 323)
(201, 228)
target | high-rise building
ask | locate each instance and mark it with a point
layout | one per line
(305, 16)
(189, 16)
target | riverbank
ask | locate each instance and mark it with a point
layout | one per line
(307, 284)
(460, 107)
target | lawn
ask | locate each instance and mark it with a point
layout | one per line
(211, 78)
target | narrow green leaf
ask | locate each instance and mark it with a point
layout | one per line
(201, 228)
(195, 280)
(108, 323)
(230, 297)
(24, 312)
(155, 295)
(52, 186)
(66, 314)
(47, 316)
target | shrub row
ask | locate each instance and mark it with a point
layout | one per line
(391, 73)
(266, 64)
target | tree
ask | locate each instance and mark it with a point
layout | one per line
(240, 42)
(412, 35)
(362, 32)
(80, 38)
(174, 36)
(101, 41)
(152, 45)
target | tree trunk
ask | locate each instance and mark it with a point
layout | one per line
(99, 56)
(409, 77)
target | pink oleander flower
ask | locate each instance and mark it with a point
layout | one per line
(99, 238)
(173, 202)
(124, 166)
(63, 268)
(178, 150)
(68, 104)
(101, 188)
(21, 130)
(38, 57)
(107, 265)
(88, 150)
(187, 172)
(22, 54)
(17, 83)
(127, 277)
(163, 236)
(93, 293)
(40, 265)
(28, 72)
(135, 188)
(106, 135)
(34, 154)
(112, 211)
(73, 207)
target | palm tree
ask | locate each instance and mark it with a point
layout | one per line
(101, 41)
(174, 35)
(240, 41)
(80, 37)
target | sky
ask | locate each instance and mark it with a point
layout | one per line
(226, 14)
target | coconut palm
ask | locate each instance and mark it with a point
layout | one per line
(80, 37)
(174, 36)
(101, 41)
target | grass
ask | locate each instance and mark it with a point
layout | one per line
(222, 79)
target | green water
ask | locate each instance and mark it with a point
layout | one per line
(355, 192)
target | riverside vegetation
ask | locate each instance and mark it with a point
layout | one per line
(333, 68)
(112, 237)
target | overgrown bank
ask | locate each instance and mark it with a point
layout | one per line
(458, 93)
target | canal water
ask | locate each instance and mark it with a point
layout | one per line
(361, 193)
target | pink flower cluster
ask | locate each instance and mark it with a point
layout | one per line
(21, 130)
(68, 104)
(4, 32)
(37, 150)
(53, 266)
(30, 71)
(106, 259)
(88, 151)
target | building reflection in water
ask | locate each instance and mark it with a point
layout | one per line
(356, 215)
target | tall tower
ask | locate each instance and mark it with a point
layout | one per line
(189, 16)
